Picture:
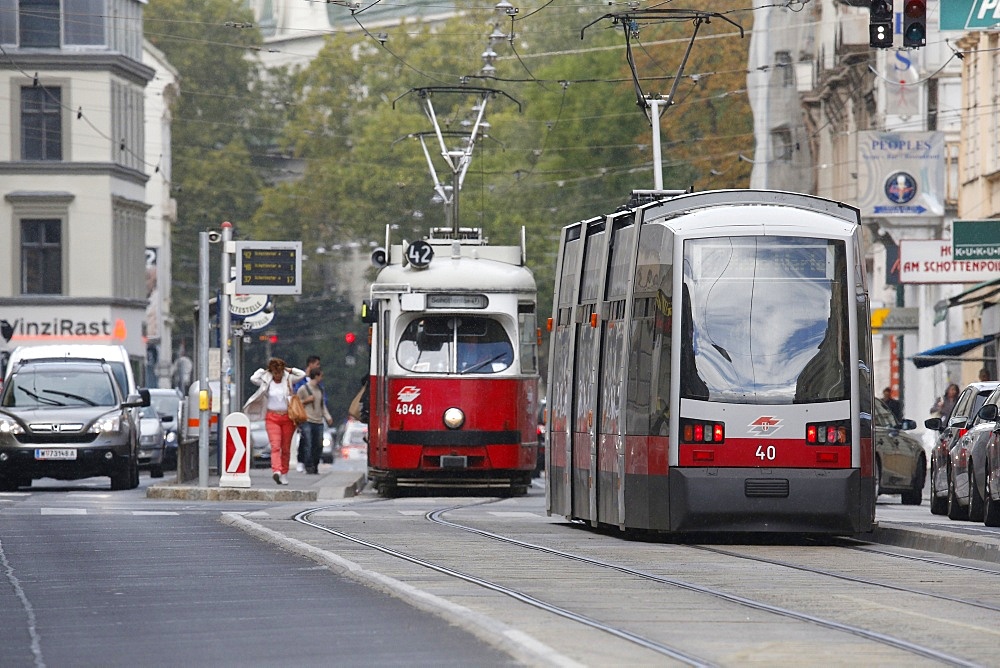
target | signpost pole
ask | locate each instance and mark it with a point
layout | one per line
(205, 413)
(224, 321)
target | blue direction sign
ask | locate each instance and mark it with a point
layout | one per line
(970, 14)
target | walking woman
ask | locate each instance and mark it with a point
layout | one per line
(270, 403)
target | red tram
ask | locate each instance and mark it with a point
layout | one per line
(453, 388)
(710, 367)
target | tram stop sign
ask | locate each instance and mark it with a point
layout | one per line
(236, 451)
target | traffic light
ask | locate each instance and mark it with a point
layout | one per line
(914, 23)
(880, 24)
(351, 340)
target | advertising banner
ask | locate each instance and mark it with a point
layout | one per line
(901, 174)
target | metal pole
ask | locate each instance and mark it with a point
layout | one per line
(205, 412)
(225, 364)
(654, 118)
(454, 205)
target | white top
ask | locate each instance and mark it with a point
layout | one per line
(277, 395)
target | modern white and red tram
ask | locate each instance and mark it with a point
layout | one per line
(709, 367)
(453, 386)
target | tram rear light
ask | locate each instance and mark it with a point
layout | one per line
(837, 432)
(699, 431)
(548, 324)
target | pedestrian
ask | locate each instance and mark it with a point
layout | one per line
(984, 375)
(311, 431)
(270, 403)
(312, 362)
(892, 404)
(944, 405)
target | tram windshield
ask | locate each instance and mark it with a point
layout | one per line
(450, 344)
(765, 320)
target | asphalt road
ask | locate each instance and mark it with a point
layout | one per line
(90, 577)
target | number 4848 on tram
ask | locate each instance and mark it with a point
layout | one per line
(709, 367)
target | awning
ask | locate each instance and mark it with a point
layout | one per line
(970, 296)
(948, 351)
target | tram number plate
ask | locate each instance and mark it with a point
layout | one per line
(55, 453)
(454, 462)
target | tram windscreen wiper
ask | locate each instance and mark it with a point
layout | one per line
(480, 365)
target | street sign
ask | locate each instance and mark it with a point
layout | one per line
(970, 14)
(895, 320)
(243, 306)
(269, 267)
(935, 261)
(976, 239)
(236, 451)
(258, 321)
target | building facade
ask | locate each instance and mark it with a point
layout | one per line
(73, 172)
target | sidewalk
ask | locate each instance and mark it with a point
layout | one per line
(332, 482)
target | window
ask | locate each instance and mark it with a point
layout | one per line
(41, 123)
(781, 144)
(41, 257)
(783, 61)
(448, 344)
(39, 22)
(84, 22)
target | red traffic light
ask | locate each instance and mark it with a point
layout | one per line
(915, 23)
(273, 338)
(349, 338)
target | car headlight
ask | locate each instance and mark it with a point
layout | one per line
(150, 439)
(171, 436)
(109, 424)
(9, 425)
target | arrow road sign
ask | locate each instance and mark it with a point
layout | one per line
(236, 451)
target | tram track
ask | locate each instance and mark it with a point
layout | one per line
(658, 645)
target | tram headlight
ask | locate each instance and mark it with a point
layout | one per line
(454, 418)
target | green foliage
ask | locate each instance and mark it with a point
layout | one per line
(572, 146)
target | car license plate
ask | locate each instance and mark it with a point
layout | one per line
(55, 453)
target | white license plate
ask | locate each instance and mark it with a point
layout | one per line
(55, 453)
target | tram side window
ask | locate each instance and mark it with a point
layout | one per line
(528, 325)
(449, 344)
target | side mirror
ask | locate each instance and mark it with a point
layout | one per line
(135, 400)
(989, 412)
(933, 423)
(907, 425)
(369, 311)
(144, 395)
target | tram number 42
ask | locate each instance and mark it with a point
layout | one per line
(768, 453)
(409, 409)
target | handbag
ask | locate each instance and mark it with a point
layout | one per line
(296, 410)
(355, 409)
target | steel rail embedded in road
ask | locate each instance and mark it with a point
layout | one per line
(436, 516)
(665, 650)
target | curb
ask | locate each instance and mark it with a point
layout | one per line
(215, 493)
(937, 541)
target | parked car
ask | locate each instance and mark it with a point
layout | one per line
(900, 462)
(151, 441)
(951, 429)
(967, 479)
(351, 440)
(169, 403)
(260, 445)
(67, 419)
(991, 477)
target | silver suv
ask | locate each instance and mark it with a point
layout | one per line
(67, 420)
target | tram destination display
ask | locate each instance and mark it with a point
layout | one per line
(269, 267)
